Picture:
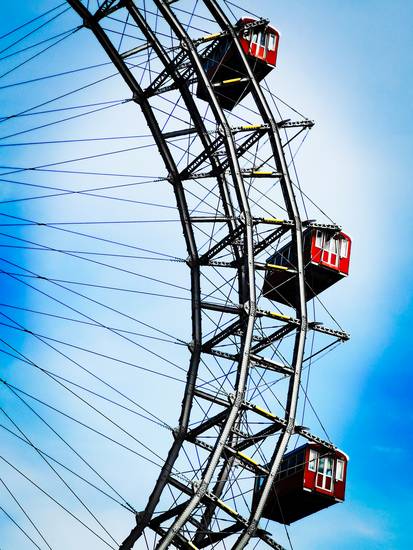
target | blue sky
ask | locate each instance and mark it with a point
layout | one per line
(348, 66)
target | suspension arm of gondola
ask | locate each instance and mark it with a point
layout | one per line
(296, 123)
(292, 208)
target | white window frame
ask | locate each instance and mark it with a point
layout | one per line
(325, 473)
(333, 248)
(271, 42)
(343, 248)
(312, 460)
(339, 470)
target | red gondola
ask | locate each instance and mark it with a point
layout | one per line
(223, 65)
(326, 260)
(310, 479)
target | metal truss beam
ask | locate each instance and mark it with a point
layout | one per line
(270, 239)
(207, 425)
(260, 436)
(221, 245)
(202, 157)
(107, 7)
(218, 338)
(296, 123)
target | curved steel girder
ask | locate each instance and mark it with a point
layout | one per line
(206, 140)
(200, 128)
(293, 212)
(247, 291)
(247, 297)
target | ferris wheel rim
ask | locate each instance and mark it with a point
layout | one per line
(241, 329)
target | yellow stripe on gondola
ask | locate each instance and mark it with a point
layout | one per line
(231, 80)
(191, 545)
(279, 315)
(263, 411)
(262, 173)
(273, 266)
(247, 458)
(226, 507)
(210, 37)
(273, 220)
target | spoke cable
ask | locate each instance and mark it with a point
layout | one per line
(24, 512)
(27, 478)
(59, 476)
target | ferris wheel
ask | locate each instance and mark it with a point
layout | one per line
(244, 256)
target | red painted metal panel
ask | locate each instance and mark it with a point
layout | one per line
(258, 42)
(245, 43)
(310, 479)
(309, 475)
(331, 254)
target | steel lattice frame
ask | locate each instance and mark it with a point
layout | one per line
(220, 424)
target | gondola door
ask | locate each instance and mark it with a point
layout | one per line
(324, 478)
(261, 51)
(329, 256)
(254, 43)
